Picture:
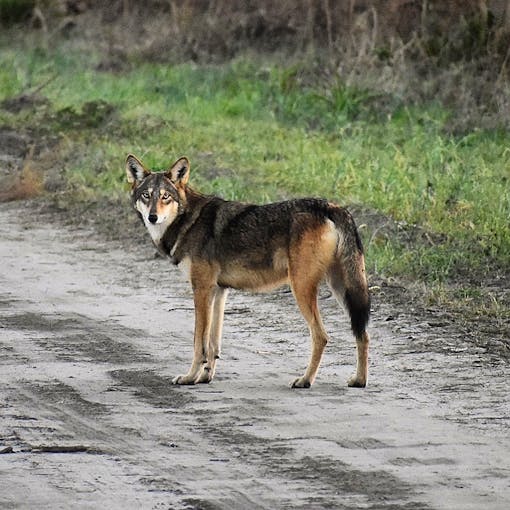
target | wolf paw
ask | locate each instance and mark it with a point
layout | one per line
(354, 382)
(183, 380)
(205, 377)
(301, 382)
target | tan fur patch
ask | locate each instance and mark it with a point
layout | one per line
(167, 211)
(316, 247)
(261, 280)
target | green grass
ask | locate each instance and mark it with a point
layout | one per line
(259, 132)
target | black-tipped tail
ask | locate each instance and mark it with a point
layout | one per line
(358, 305)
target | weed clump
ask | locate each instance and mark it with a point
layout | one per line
(93, 115)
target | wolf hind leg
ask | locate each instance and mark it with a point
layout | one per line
(307, 302)
(312, 250)
(306, 297)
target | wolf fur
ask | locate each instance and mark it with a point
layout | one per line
(224, 244)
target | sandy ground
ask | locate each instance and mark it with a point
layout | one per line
(91, 336)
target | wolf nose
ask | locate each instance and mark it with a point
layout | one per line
(153, 218)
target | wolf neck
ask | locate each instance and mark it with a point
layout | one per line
(173, 236)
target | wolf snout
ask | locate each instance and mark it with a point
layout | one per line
(153, 218)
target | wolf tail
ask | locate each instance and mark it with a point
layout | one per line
(347, 277)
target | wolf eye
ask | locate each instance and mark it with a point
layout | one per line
(145, 195)
(166, 195)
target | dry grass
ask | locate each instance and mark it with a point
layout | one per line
(28, 183)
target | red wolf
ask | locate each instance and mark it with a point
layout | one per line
(224, 244)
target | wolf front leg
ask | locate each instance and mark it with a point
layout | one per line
(214, 350)
(203, 298)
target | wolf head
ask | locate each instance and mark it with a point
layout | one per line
(157, 196)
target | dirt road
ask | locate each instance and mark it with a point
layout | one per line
(91, 335)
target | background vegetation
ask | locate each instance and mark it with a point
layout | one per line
(398, 109)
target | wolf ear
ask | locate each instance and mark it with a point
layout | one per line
(135, 170)
(179, 172)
